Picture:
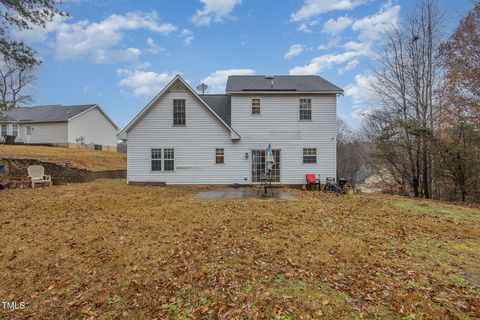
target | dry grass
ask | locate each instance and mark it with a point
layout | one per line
(79, 158)
(105, 250)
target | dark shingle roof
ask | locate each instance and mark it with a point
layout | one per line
(221, 104)
(43, 113)
(281, 83)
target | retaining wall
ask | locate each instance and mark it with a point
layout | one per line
(16, 169)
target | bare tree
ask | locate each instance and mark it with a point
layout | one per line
(406, 77)
(350, 152)
(14, 82)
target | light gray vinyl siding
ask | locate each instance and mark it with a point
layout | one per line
(94, 127)
(279, 125)
(195, 143)
(45, 132)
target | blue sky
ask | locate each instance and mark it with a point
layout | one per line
(119, 54)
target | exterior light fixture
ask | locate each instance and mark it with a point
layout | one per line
(246, 155)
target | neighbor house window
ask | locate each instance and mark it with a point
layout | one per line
(15, 130)
(309, 155)
(305, 109)
(219, 156)
(169, 159)
(156, 159)
(179, 112)
(255, 106)
(4, 130)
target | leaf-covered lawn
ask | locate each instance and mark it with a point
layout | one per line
(105, 250)
(79, 158)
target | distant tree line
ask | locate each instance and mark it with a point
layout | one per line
(423, 133)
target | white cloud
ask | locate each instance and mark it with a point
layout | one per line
(38, 34)
(362, 96)
(101, 56)
(217, 80)
(323, 62)
(370, 29)
(334, 27)
(144, 82)
(187, 36)
(85, 39)
(313, 8)
(98, 41)
(306, 26)
(295, 50)
(214, 11)
(153, 47)
(352, 64)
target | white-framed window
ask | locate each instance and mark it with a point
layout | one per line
(305, 109)
(156, 159)
(309, 155)
(169, 159)
(15, 130)
(179, 116)
(4, 130)
(219, 156)
(255, 106)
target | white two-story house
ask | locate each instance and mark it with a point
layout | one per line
(182, 137)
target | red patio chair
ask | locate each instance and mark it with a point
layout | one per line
(312, 181)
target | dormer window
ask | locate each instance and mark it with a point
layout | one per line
(305, 109)
(255, 106)
(179, 117)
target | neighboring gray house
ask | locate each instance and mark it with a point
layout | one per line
(82, 126)
(182, 137)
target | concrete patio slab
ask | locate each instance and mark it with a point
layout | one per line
(242, 194)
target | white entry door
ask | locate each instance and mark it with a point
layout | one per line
(29, 134)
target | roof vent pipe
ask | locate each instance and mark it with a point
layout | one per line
(270, 78)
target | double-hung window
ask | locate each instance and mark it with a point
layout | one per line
(4, 130)
(255, 106)
(156, 159)
(15, 130)
(305, 109)
(169, 159)
(219, 156)
(179, 117)
(309, 155)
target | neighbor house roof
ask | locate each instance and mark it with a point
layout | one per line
(44, 113)
(281, 83)
(221, 104)
(48, 113)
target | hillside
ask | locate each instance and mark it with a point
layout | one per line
(79, 158)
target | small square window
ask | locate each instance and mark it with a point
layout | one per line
(169, 159)
(255, 106)
(219, 156)
(309, 155)
(179, 117)
(305, 109)
(156, 159)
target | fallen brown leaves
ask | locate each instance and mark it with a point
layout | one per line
(105, 250)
